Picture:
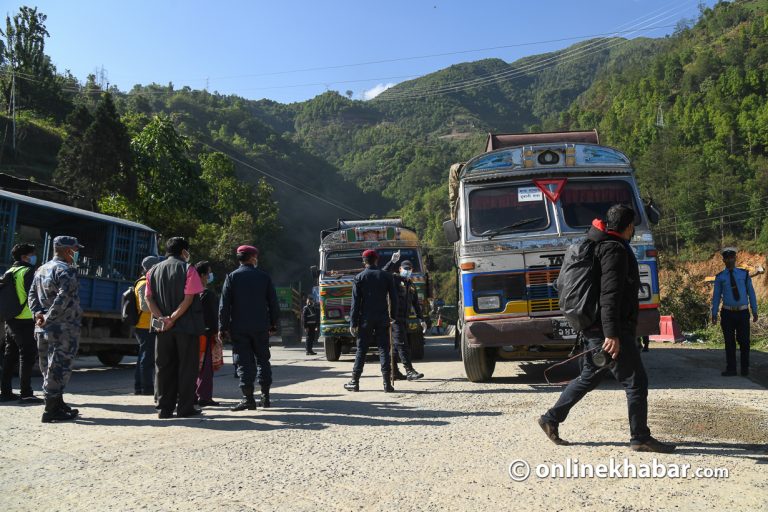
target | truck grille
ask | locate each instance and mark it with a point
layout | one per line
(542, 297)
(338, 301)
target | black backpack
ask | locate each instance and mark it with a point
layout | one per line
(578, 286)
(10, 306)
(128, 307)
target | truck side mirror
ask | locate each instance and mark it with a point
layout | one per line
(451, 231)
(653, 213)
(315, 272)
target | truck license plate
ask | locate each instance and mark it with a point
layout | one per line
(562, 330)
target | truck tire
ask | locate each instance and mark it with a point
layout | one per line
(109, 358)
(416, 341)
(332, 348)
(479, 363)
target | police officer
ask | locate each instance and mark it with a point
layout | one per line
(309, 318)
(248, 315)
(55, 304)
(734, 286)
(407, 298)
(20, 344)
(370, 317)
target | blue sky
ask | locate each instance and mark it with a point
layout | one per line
(290, 51)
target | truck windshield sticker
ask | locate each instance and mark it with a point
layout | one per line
(526, 194)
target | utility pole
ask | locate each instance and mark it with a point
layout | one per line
(13, 106)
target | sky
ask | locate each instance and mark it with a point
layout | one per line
(290, 50)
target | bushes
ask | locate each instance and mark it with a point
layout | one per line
(685, 299)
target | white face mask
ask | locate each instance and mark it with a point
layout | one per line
(210, 277)
(405, 273)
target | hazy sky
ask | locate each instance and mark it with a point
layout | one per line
(290, 50)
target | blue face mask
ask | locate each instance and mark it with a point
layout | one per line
(210, 277)
(33, 260)
(75, 257)
(405, 273)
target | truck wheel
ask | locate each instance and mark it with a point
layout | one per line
(417, 346)
(109, 358)
(479, 363)
(332, 348)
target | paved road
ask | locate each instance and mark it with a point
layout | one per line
(436, 444)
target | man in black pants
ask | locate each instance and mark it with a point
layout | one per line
(619, 281)
(20, 343)
(172, 293)
(310, 319)
(248, 315)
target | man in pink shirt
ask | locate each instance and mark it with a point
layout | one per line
(172, 292)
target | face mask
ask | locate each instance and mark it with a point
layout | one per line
(210, 277)
(75, 257)
(33, 259)
(405, 273)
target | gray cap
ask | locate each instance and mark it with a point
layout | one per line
(727, 251)
(66, 241)
(149, 262)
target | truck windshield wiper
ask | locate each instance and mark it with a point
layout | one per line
(494, 232)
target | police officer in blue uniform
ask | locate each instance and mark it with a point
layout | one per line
(370, 317)
(734, 286)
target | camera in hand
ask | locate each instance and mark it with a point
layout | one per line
(603, 359)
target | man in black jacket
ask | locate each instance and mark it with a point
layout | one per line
(619, 281)
(310, 318)
(370, 317)
(248, 314)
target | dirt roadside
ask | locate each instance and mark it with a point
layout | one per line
(439, 443)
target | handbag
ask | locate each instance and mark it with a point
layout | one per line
(217, 354)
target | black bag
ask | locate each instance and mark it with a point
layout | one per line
(578, 286)
(10, 305)
(128, 307)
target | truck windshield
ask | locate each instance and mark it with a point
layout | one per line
(584, 201)
(351, 262)
(512, 208)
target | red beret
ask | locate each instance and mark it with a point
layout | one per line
(370, 253)
(247, 249)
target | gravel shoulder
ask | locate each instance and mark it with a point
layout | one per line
(435, 444)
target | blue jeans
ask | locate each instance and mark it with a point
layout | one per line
(145, 362)
(629, 371)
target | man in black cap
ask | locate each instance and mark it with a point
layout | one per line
(370, 317)
(407, 298)
(55, 304)
(734, 286)
(310, 319)
(248, 314)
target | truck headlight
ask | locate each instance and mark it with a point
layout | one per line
(488, 303)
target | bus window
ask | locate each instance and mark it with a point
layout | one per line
(494, 209)
(584, 201)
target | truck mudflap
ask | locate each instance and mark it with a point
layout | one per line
(538, 331)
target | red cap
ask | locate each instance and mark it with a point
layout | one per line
(370, 253)
(247, 249)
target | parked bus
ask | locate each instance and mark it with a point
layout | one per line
(109, 264)
(514, 210)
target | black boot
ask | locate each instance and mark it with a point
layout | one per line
(67, 408)
(354, 384)
(412, 374)
(265, 398)
(247, 402)
(387, 385)
(398, 375)
(54, 411)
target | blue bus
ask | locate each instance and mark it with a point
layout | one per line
(109, 264)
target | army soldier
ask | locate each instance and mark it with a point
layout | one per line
(309, 318)
(55, 304)
(248, 315)
(370, 317)
(734, 286)
(407, 298)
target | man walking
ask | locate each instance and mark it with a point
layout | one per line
(370, 317)
(614, 331)
(407, 298)
(734, 287)
(248, 315)
(55, 306)
(172, 292)
(310, 319)
(20, 345)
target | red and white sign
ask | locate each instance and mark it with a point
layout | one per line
(551, 188)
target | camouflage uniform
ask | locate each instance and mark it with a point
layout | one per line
(54, 293)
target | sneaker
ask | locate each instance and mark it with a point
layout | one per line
(413, 375)
(311, 353)
(244, 404)
(550, 428)
(728, 373)
(352, 385)
(31, 399)
(652, 445)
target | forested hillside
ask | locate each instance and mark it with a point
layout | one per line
(690, 109)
